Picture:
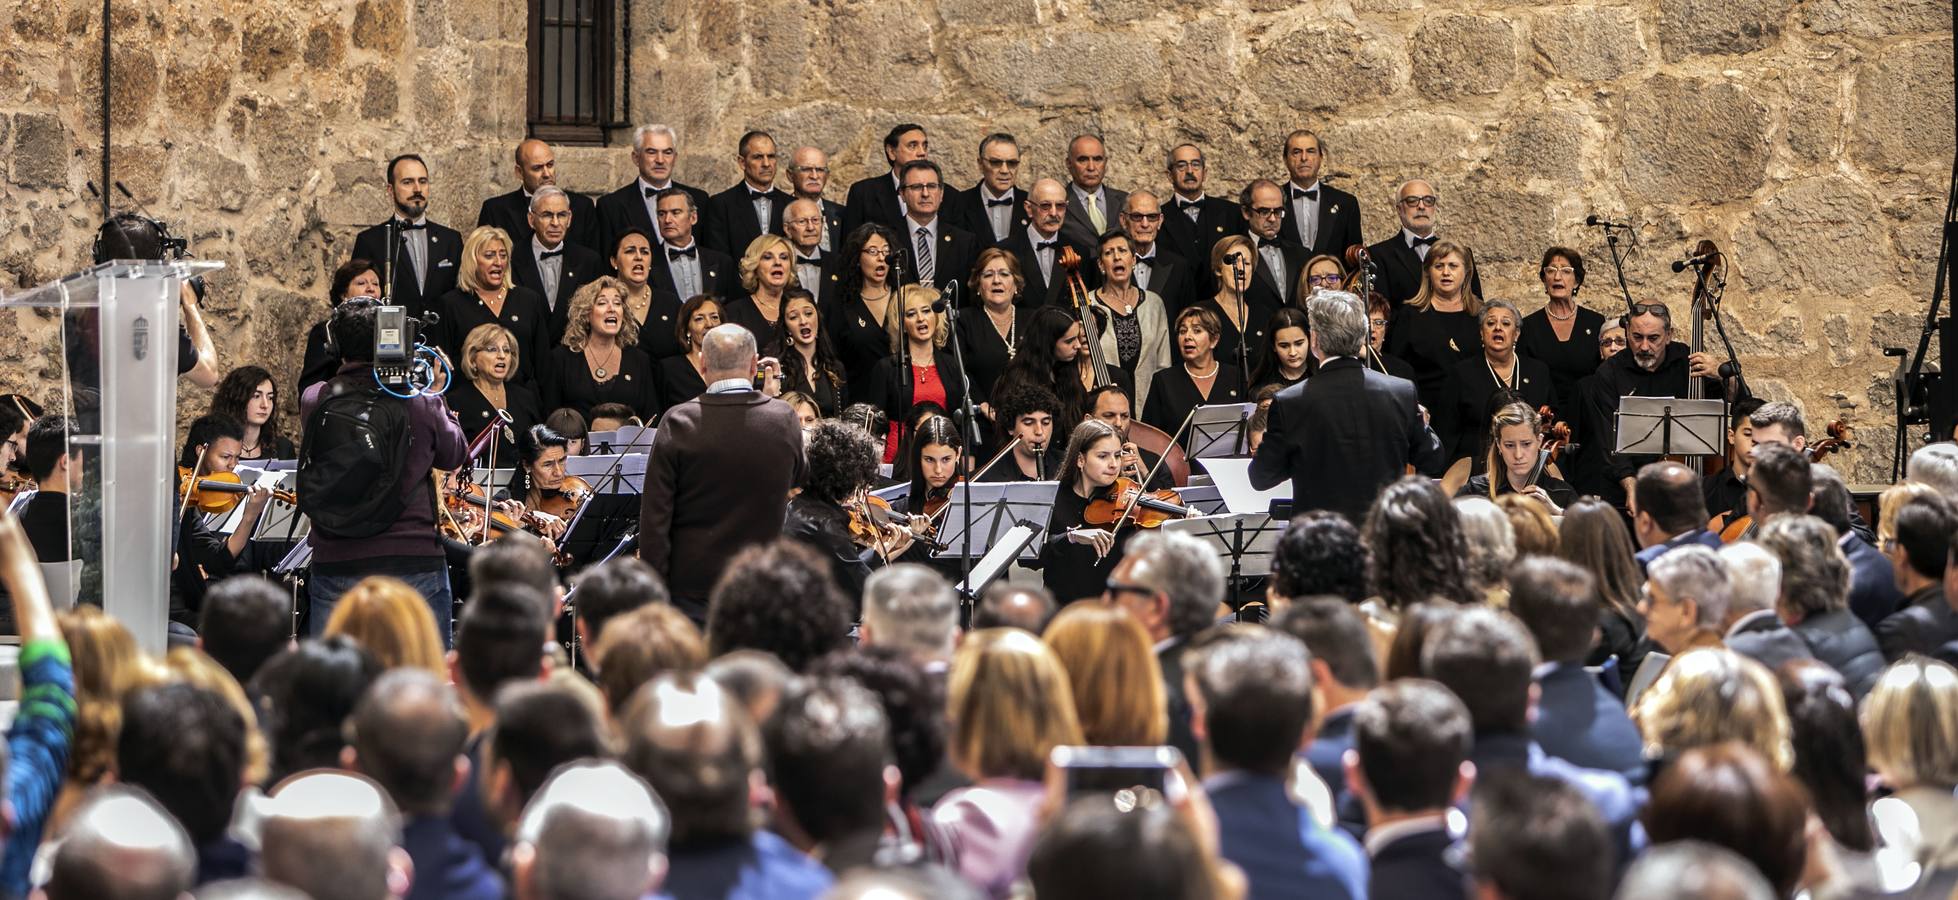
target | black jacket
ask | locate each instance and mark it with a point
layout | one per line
(1400, 269)
(580, 266)
(444, 264)
(1838, 638)
(873, 199)
(511, 212)
(1339, 222)
(952, 256)
(825, 527)
(626, 208)
(1417, 867)
(1767, 641)
(1341, 436)
(1217, 218)
(1171, 278)
(967, 210)
(1921, 627)
(728, 224)
(1049, 289)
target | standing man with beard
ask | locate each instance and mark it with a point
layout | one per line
(536, 166)
(1654, 365)
(423, 257)
(1194, 221)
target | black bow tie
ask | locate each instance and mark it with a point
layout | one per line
(1182, 204)
(673, 253)
(550, 253)
(1307, 193)
(1003, 201)
(757, 195)
(1149, 260)
(1045, 245)
(809, 261)
(409, 226)
(1421, 242)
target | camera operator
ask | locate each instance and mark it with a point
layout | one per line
(133, 237)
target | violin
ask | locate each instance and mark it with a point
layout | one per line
(1841, 435)
(564, 500)
(12, 486)
(873, 523)
(465, 506)
(219, 492)
(1125, 502)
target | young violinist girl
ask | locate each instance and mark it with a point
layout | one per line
(842, 465)
(1078, 557)
(933, 456)
(1514, 446)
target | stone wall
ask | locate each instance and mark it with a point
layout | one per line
(1812, 140)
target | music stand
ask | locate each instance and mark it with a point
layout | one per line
(627, 472)
(607, 514)
(1665, 426)
(493, 480)
(1247, 540)
(996, 508)
(1233, 480)
(994, 564)
(627, 439)
(1219, 430)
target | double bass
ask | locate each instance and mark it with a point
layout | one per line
(1708, 283)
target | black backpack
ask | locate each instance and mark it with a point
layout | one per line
(352, 458)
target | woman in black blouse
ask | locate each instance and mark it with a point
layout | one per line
(1288, 354)
(653, 311)
(1228, 305)
(1200, 379)
(485, 295)
(355, 278)
(1053, 354)
(1379, 314)
(991, 333)
(809, 365)
(1480, 385)
(489, 355)
(1563, 335)
(767, 269)
(1077, 557)
(599, 360)
(1437, 329)
(862, 301)
(1514, 445)
(925, 367)
(680, 377)
(248, 395)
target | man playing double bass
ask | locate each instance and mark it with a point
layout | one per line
(1653, 364)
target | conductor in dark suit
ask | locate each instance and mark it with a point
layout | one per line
(808, 176)
(425, 256)
(1318, 217)
(1348, 431)
(1091, 204)
(1193, 221)
(536, 167)
(1038, 245)
(1409, 766)
(1158, 269)
(655, 151)
(719, 476)
(1399, 258)
(995, 208)
(738, 215)
(875, 199)
(936, 250)
(547, 262)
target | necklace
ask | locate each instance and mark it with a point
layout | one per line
(599, 368)
(1550, 311)
(1011, 331)
(1501, 382)
(1215, 367)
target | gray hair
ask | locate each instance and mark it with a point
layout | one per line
(1491, 539)
(1753, 578)
(1339, 321)
(546, 192)
(1186, 570)
(640, 134)
(598, 831)
(1695, 573)
(1693, 870)
(727, 350)
(1489, 306)
(912, 608)
(1815, 574)
(1935, 465)
(330, 834)
(122, 844)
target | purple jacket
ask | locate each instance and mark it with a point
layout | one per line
(435, 442)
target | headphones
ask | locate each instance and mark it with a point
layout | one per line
(118, 238)
(348, 307)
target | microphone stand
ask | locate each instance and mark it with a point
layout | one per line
(896, 258)
(1244, 320)
(971, 428)
(1618, 261)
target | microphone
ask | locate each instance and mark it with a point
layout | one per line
(1696, 261)
(1236, 258)
(1593, 221)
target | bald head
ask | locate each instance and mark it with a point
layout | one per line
(536, 165)
(728, 351)
(408, 735)
(1047, 206)
(121, 845)
(1667, 496)
(595, 831)
(336, 836)
(809, 172)
(1006, 605)
(694, 743)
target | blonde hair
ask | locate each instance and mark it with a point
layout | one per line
(1112, 672)
(1708, 696)
(190, 666)
(469, 276)
(1893, 499)
(478, 340)
(393, 622)
(108, 666)
(577, 328)
(1509, 415)
(1530, 520)
(894, 316)
(1010, 705)
(1471, 302)
(750, 266)
(1910, 723)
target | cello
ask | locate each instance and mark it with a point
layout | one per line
(1084, 310)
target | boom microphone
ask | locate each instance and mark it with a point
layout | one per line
(1592, 221)
(1679, 265)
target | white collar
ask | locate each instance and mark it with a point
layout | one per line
(537, 247)
(1409, 237)
(730, 386)
(644, 184)
(987, 193)
(1303, 187)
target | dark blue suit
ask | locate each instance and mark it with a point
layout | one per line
(1580, 722)
(763, 867)
(1616, 799)
(1873, 593)
(1698, 536)
(1327, 754)
(1416, 867)
(1283, 851)
(446, 866)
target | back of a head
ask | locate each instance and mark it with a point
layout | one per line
(1924, 528)
(334, 835)
(1320, 553)
(540, 726)
(1256, 690)
(1113, 673)
(1336, 635)
(407, 732)
(1413, 520)
(614, 587)
(186, 746)
(524, 563)
(1814, 573)
(1692, 870)
(500, 638)
(1753, 578)
(912, 607)
(1830, 760)
(1412, 736)
(1937, 466)
(246, 621)
(695, 745)
(755, 678)
(778, 597)
(1908, 724)
(641, 644)
(1670, 494)
(828, 745)
(305, 695)
(595, 831)
(1487, 659)
(727, 352)
(1537, 838)
(1186, 570)
(1780, 478)
(1832, 501)
(390, 618)
(1491, 543)
(1095, 849)
(351, 328)
(1726, 794)
(249, 889)
(914, 704)
(1694, 573)
(1711, 696)
(922, 881)
(1007, 605)
(1558, 603)
(996, 732)
(121, 845)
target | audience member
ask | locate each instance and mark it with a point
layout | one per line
(1577, 719)
(121, 845)
(1318, 553)
(107, 667)
(187, 665)
(336, 836)
(914, 708)
(388, 617)
(1917, 540)
(1912, 737)
(1873, 592)
(1535, 530)
(1534, 837)
(1112, 673)
(1413, 519)
(1491, 547)
(779, 598)
(829, 757)
(1006, 605)
(594, 832)
(186, 746)
(1936, 466)
(1172, 584)
(1692, 870)
(1753, 626)
(499, 642)
(912, 608)
(1409, 767)
(1593, 537)
(1343, 671)
(1832, 767)
(1668, 511)
(755, 678)
(644, 643)
(304, 696)
(246, 621)
(1095, 848)
(1728, 795)
(614, 587)
(538, 727)
(1815, 597)
(1685, 600)
(1709, 697)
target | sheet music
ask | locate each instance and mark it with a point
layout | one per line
(1233, 480)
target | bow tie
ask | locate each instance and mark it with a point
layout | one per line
(1182, 204)
(1309, 194)
(409, 226)
(550, 253)
(651, 190)
(1421, 241)
(672, 253)
(758, 195)
(1003, 201)
(1149, 260)
(809, 261)
(1045, 245)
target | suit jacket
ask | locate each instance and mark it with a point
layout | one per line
(1580, 722)
(581, 267)
(511, 212)
(1699, 536)
(1327, 756)
(718, 276)
(1762, 638)
(952, 256)
(873, 199)
(833, 226)
(444, 264)
(1416, 867)
(717, 481)
(1077, 227)
(1217, 218)
(626, 208)
(1840, 639)
(1873, 593)
(1400, 270)
(728, 224)
(967, 210)
(1265, 295)
(1282, 849)
(1170, 661)
(1049, 291)
(1341, 436)
(1171, 278)
(1339, 222)
(1921, 627)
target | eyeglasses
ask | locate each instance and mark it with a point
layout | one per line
(1267, 212)
(805, 220)
(1001, 163)
(1115, 586)
(1559, 270)
(1611, 342)
(1377, 323)
(1329, 280)
(1145, 217)
(876, 252)
(925, 187)
(1652, 309)
(1420, 201)
(1184, 165)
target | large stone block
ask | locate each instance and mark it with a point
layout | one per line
(1507, 226)
(1410, 143)
(326, 44)
(286, 142)
(1902, 118)
(1700, 27)
(881, 52)
(1022, 13)
(41, 151)
(380, 95)
(780, 44)
(1549, 144)
(210, 182)
(1059, 68)
(1877, 18)
(270, 45)
(381, 26)
(1326, 66)
(1800, 236)
(1694, 141)
(1587, 43)
(1460, 56)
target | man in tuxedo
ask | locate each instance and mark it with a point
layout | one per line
(1276, 262)
(1038, 244)
(815, 270)
(1399, 258)
(536, 166)
(1091, 205)
(655, 151)
(1318, 217)
(738, 215)
(1345, 433)
(1577, 719)
(875, 199)
(1409, 767)
(1157, 268)
(547, 262)
(1195, 221)
(684, 268)
(939, 251)
(425, 256)
(992, 209)
(808, 176)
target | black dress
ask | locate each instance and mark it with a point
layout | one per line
(986, 352)
(320, 363)
(658, 334)
(679, 381)
(1470, 398)
(524, 312)
(742, 311)
(1433, 343)
(858, 336)
(1569, 361)
(1560, 493)
(1070, 570)
(1173, 393)
(1228, 338)
(475, 412)
(568, 381)
(830, 394)
(825, 528)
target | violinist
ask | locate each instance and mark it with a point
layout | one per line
(933, 459)
(204, 554)
(248, 395)
(1515, 451)
(1110, 404)
(16, 413)
(1077, 557)
(1028, 413)
(1200, 379)
(1726, 490)
(921, 369)
(541, 453)
(842, 464)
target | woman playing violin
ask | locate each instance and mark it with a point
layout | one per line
(542, 453)
(933, 456)
(842, 465)
(1077, 557)
(1515, 447)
